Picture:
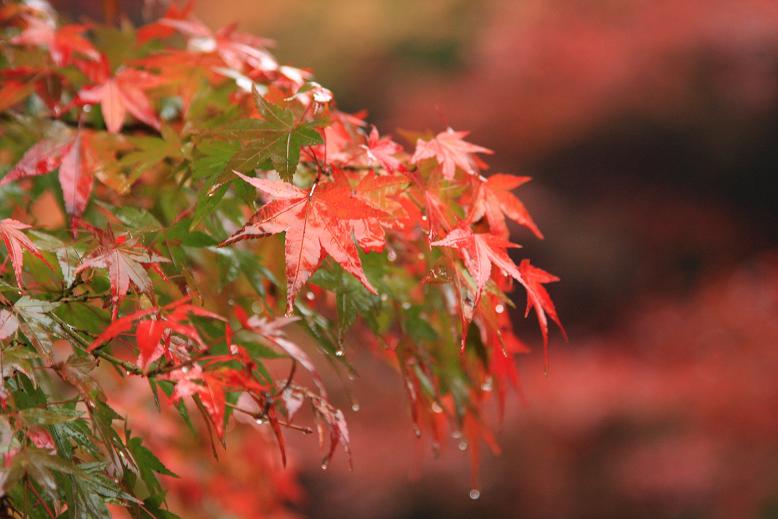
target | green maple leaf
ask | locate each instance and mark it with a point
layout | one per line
(276, 138)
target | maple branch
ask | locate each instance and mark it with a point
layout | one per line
(263, 415)
(288, 379)
(39, 498)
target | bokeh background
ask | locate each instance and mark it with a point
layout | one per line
(651, 130)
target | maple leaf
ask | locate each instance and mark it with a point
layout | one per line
(154, 335)
(321, 219)
(272, 332)
(72, 154)
(121, 93)
(124, 259)
(451, 151)
(379, 192)
(382, 150)
(61, 43)
(494, 200)
(15, 242)
(538, 298)
(234, 48)
(480, 251)
(13, 92)
(193, 381)
(8, 324)
(277, 137)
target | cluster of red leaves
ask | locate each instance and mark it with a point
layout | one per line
(423, 233)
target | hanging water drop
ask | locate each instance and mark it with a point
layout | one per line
(324, 465)
(436, 408)
(462, 445)
(475, 493)
(391, 255)
(487, 384)
(339, 353)
(406, 305)
(384, 297)
(259, 421)
(355, 407)
(310, 296)
(499, 308)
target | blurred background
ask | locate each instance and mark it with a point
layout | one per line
(651, 130)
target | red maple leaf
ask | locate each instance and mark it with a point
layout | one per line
(154, 335)
(315, 221)
(16, 241)
(451, 151)
(125, 260)
(379, 192)
(121, 93)
(494, 200)
(61, 43)
(72, 154)
(480, 251)
(537, 296)
(233, 47)
(382, 151)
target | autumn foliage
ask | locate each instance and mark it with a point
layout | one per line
(184, 216)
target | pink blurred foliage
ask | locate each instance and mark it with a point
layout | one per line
(556, 68)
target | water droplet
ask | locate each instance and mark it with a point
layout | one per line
(185, 369)
(259, 421)
(424, 218)
(417, 431)
(87, 108)
(420, 255)
(462, 445)
(355, 407)
(456, 434)
(475, 493)
(499, 308)
(310, 296)
(406, 305)
(391, 255)
(487, 384)
(339, 353)
(436, 408)
(324, 465)
(384, 298)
